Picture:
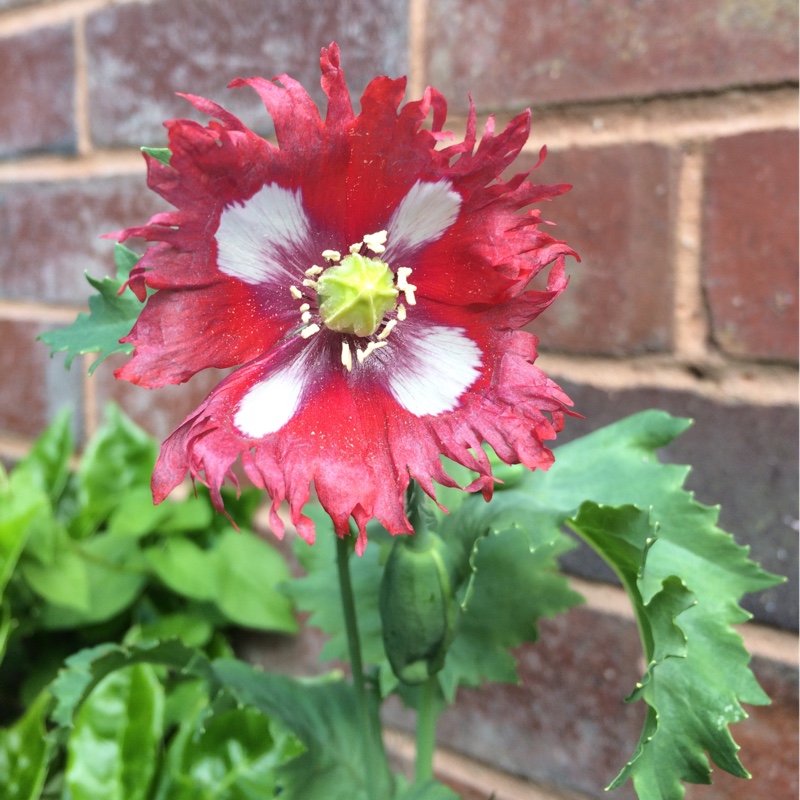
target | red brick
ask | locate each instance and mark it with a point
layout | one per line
(141, 54)
(34, 386)
(510, 53)
(751, 230)
(618, 217)
(37, 92)
(51, 234)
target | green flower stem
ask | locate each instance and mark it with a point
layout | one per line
(427, 715)
(371, 733)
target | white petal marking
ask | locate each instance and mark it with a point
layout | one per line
(434, 371)
(253, 235)
(423, 215)
(271, 403)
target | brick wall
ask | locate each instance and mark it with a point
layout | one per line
(676, 121)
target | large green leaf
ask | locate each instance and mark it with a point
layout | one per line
(323, 715)
(514, 583)
(113, 749)
(239, 573)
(684, 576)
(24, 752)
(112, 313)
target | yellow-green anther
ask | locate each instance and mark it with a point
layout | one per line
(355, 294)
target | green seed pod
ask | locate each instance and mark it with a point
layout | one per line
(418, 607)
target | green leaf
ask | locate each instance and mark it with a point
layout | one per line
(118, 458)
(514, 583)
(233, 757)
(248, 572)
(64, 578)
(668, 552)
(24, 753)
(113, 748)
(21, 502)
(47, 462)
(86, 668)
(116, 576)
(322, 714)
(162, 154)
(239, 574)
(112, 313)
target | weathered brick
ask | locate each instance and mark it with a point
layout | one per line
(524, 51)
(37, 92)
(619, 218)
(141, 54)
(51, 234)
(34, 387)
(750, 254)
(743, 457)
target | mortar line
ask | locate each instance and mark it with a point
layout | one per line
(82, 122)
(690, 318)
(26, 19)
(729, 383)
(25, 311)
(417, 17)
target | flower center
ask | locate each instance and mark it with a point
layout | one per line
(355, 294)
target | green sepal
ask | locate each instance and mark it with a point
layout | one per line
(162, 154)
(112, 313)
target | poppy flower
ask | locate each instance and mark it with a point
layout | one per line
(369, 282)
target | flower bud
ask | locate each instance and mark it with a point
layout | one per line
(418, 608)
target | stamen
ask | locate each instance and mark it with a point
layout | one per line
(371, 347)
(309, 331)
(347, 356)
(309, 282)
(387, 330)
(355, 248)
(305, 307)
(295, 292)
(402, 278)
(401, 312)
(331, 255)
(409, 293)
(315, 270)
(305, 316)
(376, 241)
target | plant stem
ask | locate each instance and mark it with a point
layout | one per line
(427, 714)
(368, 731)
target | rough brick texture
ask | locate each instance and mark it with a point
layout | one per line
(750, 261)
(742, 459)
(525, 51)
(134, 76)
(51, 234)
(34, 387)
(618, 217)
(42, 117)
